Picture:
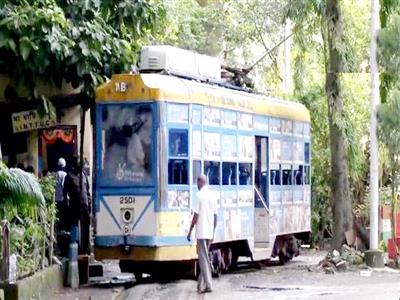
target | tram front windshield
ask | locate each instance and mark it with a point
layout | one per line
(127, 135)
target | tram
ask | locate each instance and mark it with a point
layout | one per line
(157, 130)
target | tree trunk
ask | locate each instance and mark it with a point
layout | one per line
(340, 201)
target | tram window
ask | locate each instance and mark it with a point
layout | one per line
(178, 142)
(178, 171)
(287, 175)
(307, 153)
(229, 173)
(307, 174)
(211, 170)
(298, 175)
(196, 170)
(275, 178)
(245, 173)
(127, 143)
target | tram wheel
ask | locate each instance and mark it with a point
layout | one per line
(138, 276)
(126, 266)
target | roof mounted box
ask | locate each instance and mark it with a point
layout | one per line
(180, 62)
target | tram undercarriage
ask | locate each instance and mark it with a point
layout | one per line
(224, 257)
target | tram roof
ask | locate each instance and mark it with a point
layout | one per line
(156, 87)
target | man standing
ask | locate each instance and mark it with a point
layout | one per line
(205, 220)
(61, 202)
(77, 191)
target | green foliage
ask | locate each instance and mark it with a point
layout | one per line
(19, 191)
(387, 8)
(238, 31)
(389, 124)
(389, 47)
(78, 42)
(310, 63)
(29, 207)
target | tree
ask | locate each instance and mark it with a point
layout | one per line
(235, 28)
(240, 32)
(341, 201)
(74, 42)
(314, 44)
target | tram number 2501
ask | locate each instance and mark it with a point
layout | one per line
(127, 200)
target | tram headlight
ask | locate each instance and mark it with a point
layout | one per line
(127, 215)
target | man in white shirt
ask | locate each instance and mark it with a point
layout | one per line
(61, 203)
(205, 220)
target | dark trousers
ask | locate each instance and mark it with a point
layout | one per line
(62, 216)
(84, 247)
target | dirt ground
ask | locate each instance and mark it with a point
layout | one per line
(292, 281)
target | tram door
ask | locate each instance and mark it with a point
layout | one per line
(261, 197)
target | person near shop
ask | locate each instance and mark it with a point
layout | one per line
(61, 202)
(77, 192)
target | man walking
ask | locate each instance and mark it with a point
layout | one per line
(205, 220)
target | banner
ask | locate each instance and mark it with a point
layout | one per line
(52, 135)
(30, 120)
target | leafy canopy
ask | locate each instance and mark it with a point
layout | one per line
(389, 124)
(72, 41)
(238, 31)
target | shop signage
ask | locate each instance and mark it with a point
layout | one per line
(31, 120)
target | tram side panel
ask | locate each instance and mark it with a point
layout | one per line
(290, 206)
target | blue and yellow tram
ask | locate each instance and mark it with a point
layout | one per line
(156, 133)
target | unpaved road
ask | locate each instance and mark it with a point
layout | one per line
(292, 281)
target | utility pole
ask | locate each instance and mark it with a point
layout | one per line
(374, 150)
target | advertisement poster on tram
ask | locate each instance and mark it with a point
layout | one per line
(298, 152)
(286, 151)
(178, 199)
(232, 224)
(245, 197)
(245, 121)
(229, 198)
(229, 147)
(229, 119)
(275, 153)
(212, 146)
(178, 113)
(196, 143)
(212, 116)
(245, 147)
